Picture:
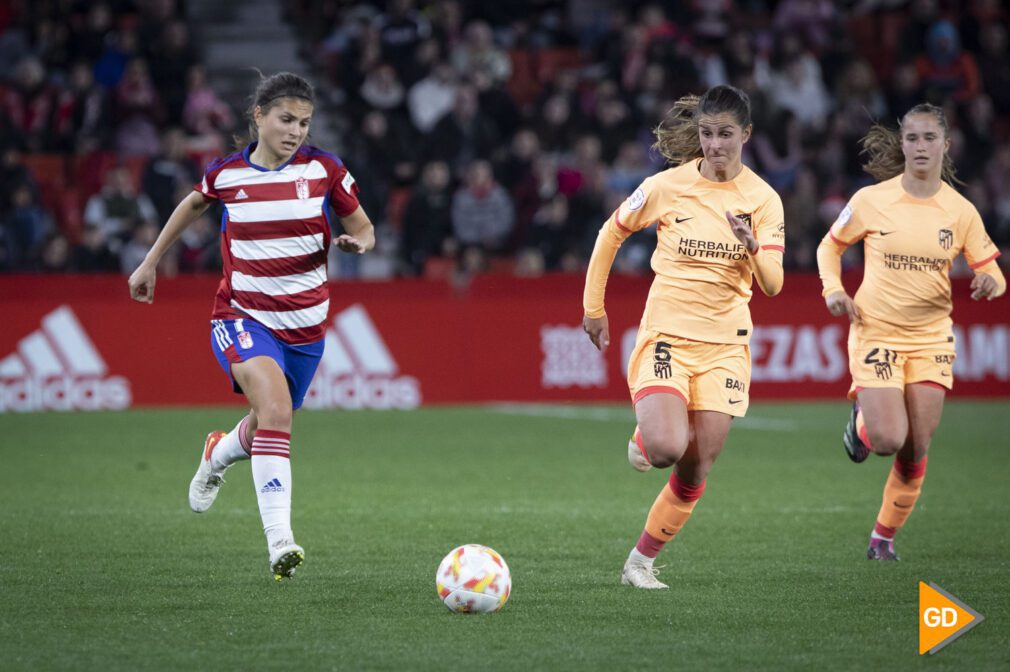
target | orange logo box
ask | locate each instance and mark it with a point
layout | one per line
(942, 618)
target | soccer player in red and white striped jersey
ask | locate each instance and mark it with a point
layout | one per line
(270, 311)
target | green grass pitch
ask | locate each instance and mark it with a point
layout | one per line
(105, 568)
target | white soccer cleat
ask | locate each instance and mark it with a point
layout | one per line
(640, 575)
(636, 455)
(204, 487)
(285, 557)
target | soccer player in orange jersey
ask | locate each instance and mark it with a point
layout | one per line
(719, 226)
(901, 345)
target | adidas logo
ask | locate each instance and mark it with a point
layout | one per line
(241, 195)
(357, 369)
(274, 485)
(58, 368)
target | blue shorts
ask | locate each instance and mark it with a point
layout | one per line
(236, 341)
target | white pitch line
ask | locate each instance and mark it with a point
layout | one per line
(583, 413)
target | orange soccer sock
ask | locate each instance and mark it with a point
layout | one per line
(668, 514)
(904, 483)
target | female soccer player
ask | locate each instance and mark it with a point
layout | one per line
(719, 226)
(269, 316)
(901, 346)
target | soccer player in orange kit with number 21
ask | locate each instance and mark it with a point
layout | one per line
(901, 343)
(720, 226)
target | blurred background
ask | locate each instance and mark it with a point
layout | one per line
(490, 141)
(486, 137)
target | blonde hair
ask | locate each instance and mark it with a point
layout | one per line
(883, 147)
(677, 135)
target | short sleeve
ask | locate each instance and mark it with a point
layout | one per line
(343, 192)
(206, 185)
(644, 206)
(850, 226)
(769, 224)
(979, 249)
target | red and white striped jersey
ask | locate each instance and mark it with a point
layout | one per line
(275, 235)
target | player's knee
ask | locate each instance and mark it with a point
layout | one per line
(664, 449)
(886, 443)
(274, 414)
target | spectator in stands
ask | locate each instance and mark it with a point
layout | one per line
(401, 29)
(25, 225)
(32, 106)
(432, 98)
(797, 85)
(482, 212)
(945, 70)
(138, 112)
(478, 52)
(994, 66)
(382, 89)
(92, 253)
(118, 208)
(427, 220)
(204, 113)
(89, 113)
(168, 173)
(55, 254)
(171, 56)
(200, 247)
(462, 136)
(142, 237)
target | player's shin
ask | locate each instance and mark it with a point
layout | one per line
(669, 513)
(271, 468)
(901, 491)
(234, 446)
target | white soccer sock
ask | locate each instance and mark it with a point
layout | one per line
(271, 469)
(232, 447)
(874, 535)
(639, 558)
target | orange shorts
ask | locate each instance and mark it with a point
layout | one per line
(707, 376)
(875, 364)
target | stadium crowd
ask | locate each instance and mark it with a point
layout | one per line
(484, 136)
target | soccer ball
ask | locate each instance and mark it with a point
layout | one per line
(473, 579)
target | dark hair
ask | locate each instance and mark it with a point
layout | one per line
(677, 135)
(272, 89)
(883, 147)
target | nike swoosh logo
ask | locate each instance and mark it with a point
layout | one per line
(944, 373)
(682, 219)
(885, 233)
(735, 401)
(902, 506)
(666, 531)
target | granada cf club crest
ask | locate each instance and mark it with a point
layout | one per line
(946, 238)
(302, 188)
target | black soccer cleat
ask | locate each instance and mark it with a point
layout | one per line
(881, 549)
(854, 446)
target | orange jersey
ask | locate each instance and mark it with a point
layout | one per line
(703, 273)
(909, 244)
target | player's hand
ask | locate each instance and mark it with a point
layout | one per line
(346, 243)
(742, 231)
(142, 283)
(840, 303)
(983, 286)
(598, 329)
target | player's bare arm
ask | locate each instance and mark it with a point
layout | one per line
(360, 236)
(143, 279)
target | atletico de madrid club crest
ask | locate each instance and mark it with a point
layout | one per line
(245, 340)
(302, 188)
